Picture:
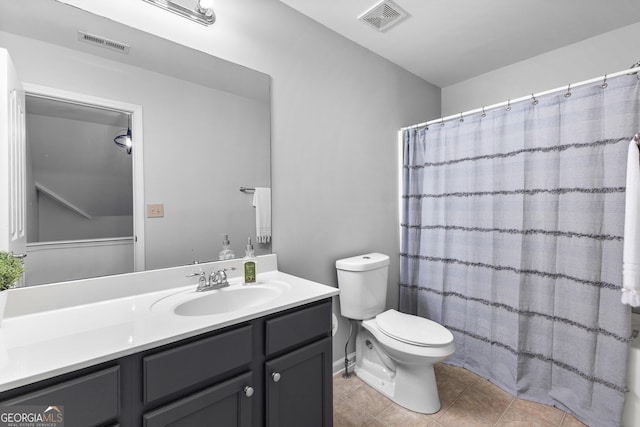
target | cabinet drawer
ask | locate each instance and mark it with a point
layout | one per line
(181, 367)
(89, 400)
(225, 404)
(289, 330)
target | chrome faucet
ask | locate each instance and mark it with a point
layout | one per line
(216, 280)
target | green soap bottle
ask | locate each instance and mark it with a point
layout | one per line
(249, 263)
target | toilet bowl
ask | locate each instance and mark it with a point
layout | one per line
(395, 352)
(406, 376)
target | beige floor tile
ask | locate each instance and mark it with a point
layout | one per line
(491, 390)
(571, 421)
(449, 388)
(544, 412)
(369, 400)
(397, 416)
(344, 387)
(346, 415)
(459, 416)
(514, 417)
(485, 400)
(464, 376)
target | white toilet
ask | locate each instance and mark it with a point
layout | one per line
(395, 352)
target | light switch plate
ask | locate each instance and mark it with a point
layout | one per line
(155, 210)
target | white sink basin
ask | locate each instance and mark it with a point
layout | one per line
(226, 300)
(220, 301)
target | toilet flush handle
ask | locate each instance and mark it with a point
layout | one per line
(275, 376)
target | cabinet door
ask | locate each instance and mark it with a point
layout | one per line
(228, 404)
(299, 387)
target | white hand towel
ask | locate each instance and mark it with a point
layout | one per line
(262, 203)
(631, 249)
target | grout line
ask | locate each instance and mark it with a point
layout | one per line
(564, 415)
(513, 399)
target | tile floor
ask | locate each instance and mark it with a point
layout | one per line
(467, 400)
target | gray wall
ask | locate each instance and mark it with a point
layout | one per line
(594, 57)
(336, 111)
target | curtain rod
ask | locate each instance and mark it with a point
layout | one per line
(532, 97)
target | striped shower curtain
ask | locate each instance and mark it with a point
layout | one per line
(512, 231)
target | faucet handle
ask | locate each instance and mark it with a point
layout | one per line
(203, 283)
(220, 276)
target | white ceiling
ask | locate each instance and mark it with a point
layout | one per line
(449, 41)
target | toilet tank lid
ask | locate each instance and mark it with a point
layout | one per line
(365, 262)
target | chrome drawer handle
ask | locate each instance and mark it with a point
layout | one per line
(276, 377)
(248, 391)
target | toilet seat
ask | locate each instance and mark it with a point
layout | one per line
(413, 330)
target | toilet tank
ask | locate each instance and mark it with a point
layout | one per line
(362, 281)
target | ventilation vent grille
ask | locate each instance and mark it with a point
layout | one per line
(103, 42)
(383, 15)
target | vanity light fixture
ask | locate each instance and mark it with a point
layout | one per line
(200, 11)
(124, 140)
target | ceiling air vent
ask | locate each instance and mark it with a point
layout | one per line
(383, 15)
(103, 42)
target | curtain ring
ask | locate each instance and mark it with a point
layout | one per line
(442, 122)
(461, 119)
(508, 105)
(483, 113)
(604, 83)
(535, 101)
(568, 94)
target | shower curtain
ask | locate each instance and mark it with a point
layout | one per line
(512, 231)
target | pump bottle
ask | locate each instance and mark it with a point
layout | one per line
(226, 252)
(249, 264)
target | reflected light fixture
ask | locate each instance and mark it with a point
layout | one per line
(200, 11)
(124, 140)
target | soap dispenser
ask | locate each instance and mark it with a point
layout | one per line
(226, 252)
(249, 263)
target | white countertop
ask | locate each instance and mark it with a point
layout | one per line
(54, 329)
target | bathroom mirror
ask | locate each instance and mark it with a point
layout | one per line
(205, 122)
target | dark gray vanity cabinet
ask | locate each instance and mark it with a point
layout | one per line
(272, 371)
